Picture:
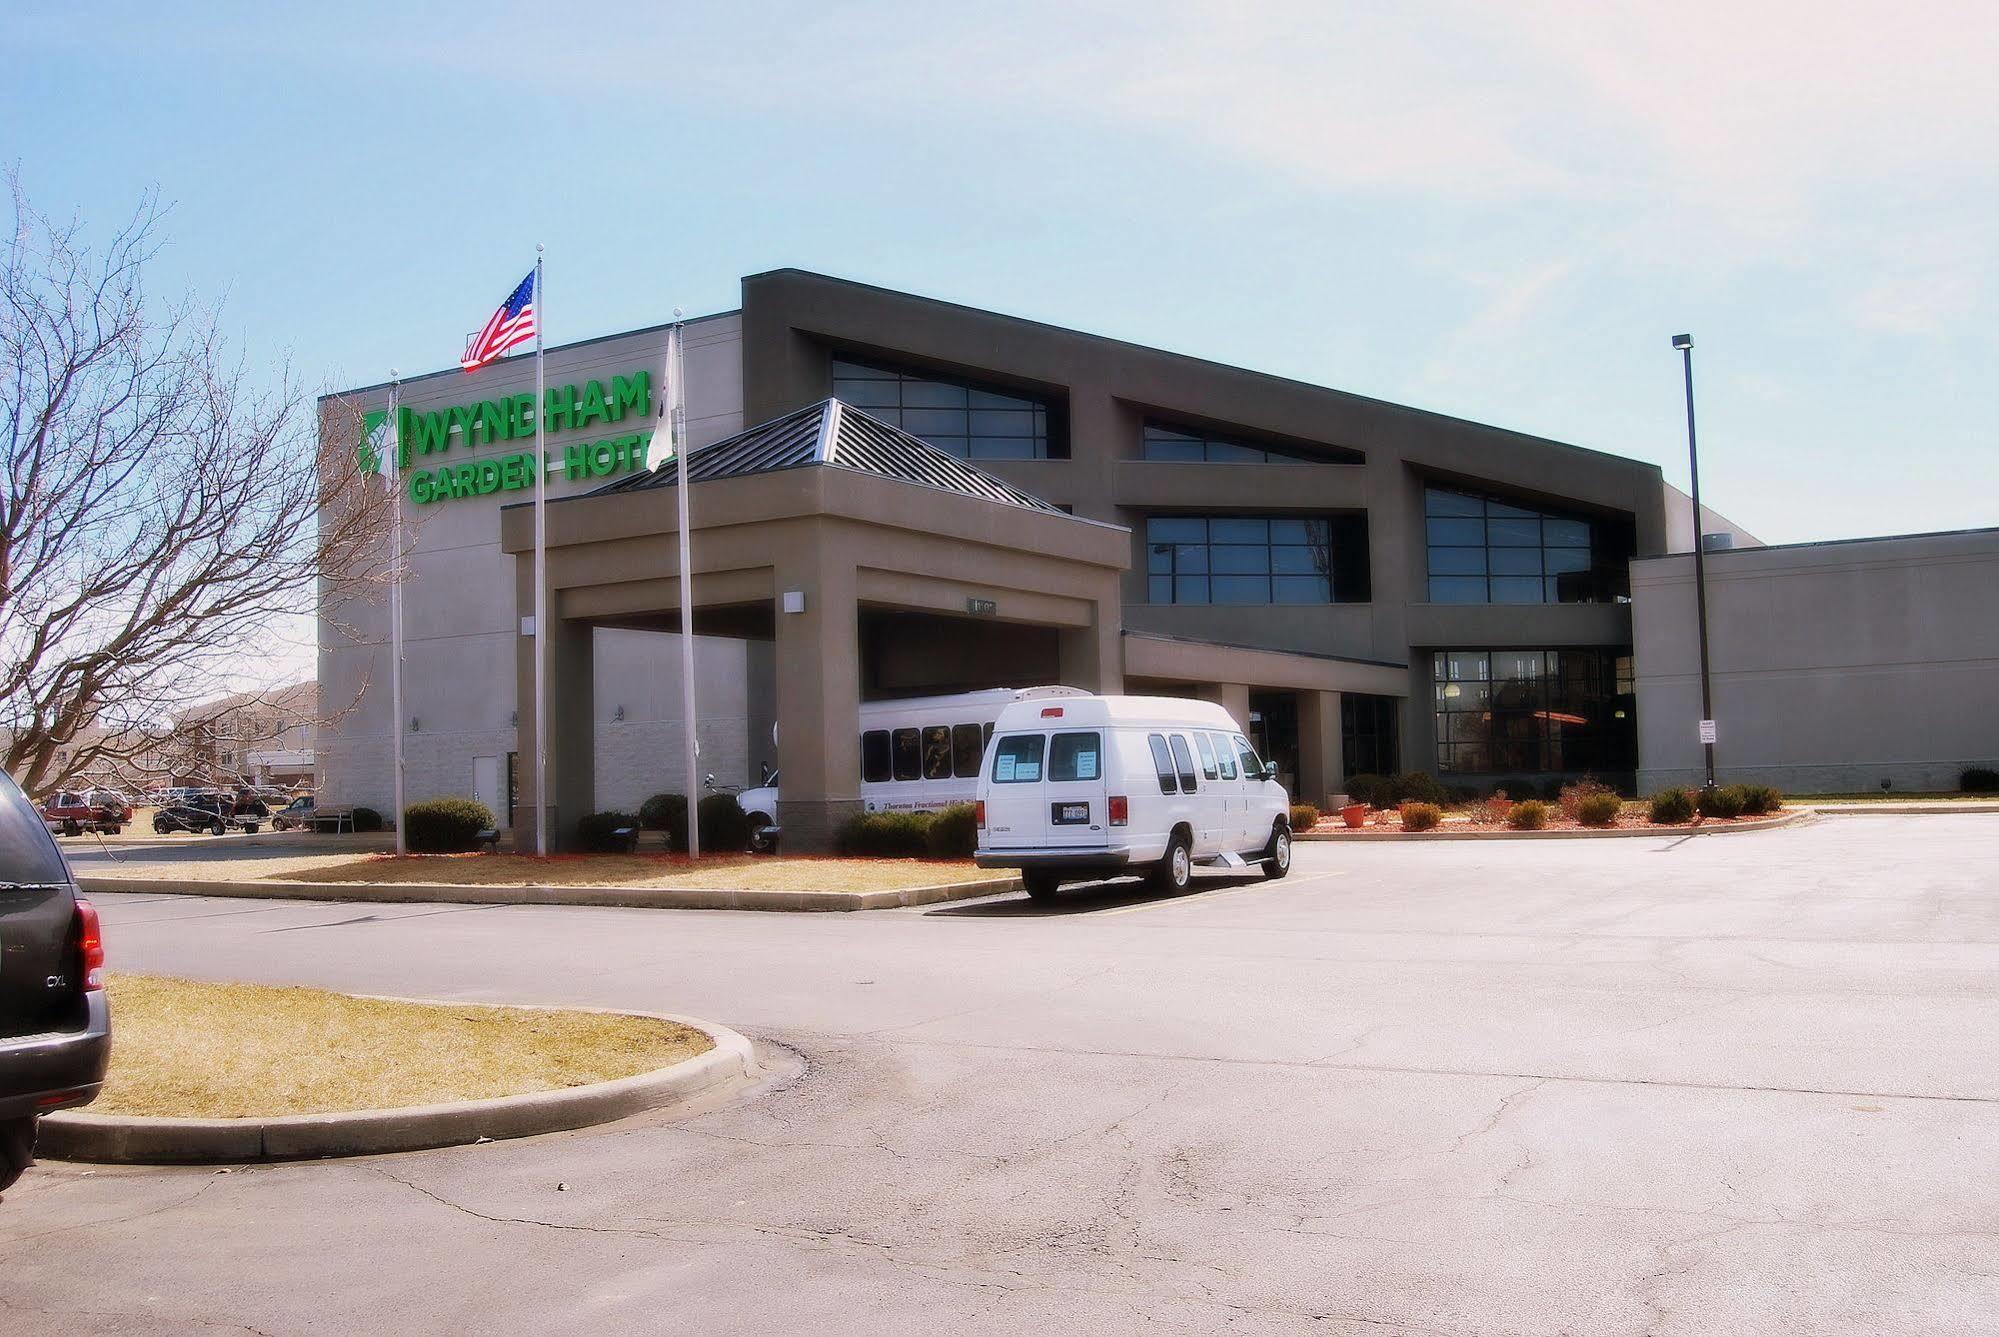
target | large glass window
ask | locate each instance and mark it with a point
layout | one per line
(1370, 734)
(1487, 551)
(1204, 447)
(967, 745)
(1017, 760)
(1255, 559)
(960, 418)
(1502, 712)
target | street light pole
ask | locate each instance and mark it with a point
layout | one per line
(1685, 343)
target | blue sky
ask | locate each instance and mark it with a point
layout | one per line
(1500, 212)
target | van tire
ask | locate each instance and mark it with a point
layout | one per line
(1277, 854)
(1175, 872)
(1040, 883)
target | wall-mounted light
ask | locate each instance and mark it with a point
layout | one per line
(513, 719)
(1453, 691)
(415, 724)
(618, 715)
(793, 601)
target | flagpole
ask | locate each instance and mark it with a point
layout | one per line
(391, 469)
(676, 428)
(540, 574)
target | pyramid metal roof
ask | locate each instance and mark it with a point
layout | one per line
(836, 435)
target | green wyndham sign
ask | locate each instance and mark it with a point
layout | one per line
(488, 422)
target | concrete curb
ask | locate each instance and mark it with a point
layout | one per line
(1612, 833)
(1900, 809)
(637, 898)
(133, 1140)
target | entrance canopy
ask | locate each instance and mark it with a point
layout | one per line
(806, 530)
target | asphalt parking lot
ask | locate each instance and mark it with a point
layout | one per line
(1711, 1084)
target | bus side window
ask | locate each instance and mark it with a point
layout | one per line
(968, 744)
(937, 752)
(908, 754)
(874, 756)
(1162, 762)
(1225, 757)
(1185, 757)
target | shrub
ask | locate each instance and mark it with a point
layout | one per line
(725, 827)
(1979, 780)
(1492, 810)
(597, 832)
(1598, 809)
(367, 819)
(1573, 795)
(895, 835)
(1760, 800)
(1721, 801)
(954, 832)
(1421, 816)
(1304, 816)
(445, 825)
(1419, 787)
(1376, 791)
(664, 812)
(1673, 807)
(1531, 815)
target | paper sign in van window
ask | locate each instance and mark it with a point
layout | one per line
(1075, 756)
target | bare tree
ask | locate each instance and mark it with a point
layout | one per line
(163, 510)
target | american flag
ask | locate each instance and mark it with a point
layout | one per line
(511, 325)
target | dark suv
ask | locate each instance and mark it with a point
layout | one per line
(55, 1029)
(213, 813)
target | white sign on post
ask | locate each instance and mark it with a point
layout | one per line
(1707, 731)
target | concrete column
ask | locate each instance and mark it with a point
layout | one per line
(818, 670)
(572, 732)
(1321, 758)
(1230, 696)
(1093, 657)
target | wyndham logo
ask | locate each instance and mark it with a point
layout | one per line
(374, 444)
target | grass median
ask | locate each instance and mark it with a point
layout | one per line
(734, 872)
(186, 1049)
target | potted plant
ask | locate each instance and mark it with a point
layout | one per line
(1354, 814)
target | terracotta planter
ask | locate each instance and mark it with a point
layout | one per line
(1354, 814)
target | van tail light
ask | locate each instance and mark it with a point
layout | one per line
(90, 944)
(1120, 810)
(979, 814)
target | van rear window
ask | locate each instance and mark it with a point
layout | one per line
(1017, 760)
(1076, 756)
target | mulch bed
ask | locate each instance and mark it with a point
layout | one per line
(1634, 817)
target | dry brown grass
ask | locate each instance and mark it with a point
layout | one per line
(194, 1050)
(741, 872)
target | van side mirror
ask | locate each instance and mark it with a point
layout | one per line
(1270, 770)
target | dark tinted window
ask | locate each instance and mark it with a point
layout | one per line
(1184, 761)
(1195, 445)
(1162, 761)
(967, 746)
(1076, 756)
(874, 756)
(937, 752)
(1017, 760)
(1271, 559)
(908, 754)
(963, 419)
(26, 852)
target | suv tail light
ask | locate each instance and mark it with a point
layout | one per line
(1120, 810)
(979, 814)
(90, 944)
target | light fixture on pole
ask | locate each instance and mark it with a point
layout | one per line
(1685, 343)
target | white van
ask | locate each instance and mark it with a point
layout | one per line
(1094, 786)
(918, 754)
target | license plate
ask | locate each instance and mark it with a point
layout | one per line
(1072, 813)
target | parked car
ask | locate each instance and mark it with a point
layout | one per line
(112, 800)
(297, 813)
(1094, 786)
(55, 1026)
(71, 813)
(214, 813)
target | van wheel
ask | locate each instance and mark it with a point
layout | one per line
(1277, 856)
(1176, 871)
(1040, 883)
